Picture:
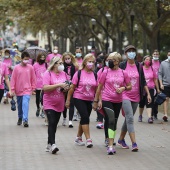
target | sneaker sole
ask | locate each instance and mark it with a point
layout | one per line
(90, 146)
(55, 151)
(122, 146)
(79, 144)
(70, 126)
(110, 153)
(135, 150)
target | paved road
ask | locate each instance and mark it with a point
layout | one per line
(24, 148)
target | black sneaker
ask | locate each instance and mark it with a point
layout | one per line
(38, 112)
(19, 121)
(25, 124)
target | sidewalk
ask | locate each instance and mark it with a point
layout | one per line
(24, 148)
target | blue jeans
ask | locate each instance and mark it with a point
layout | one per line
(23, 107)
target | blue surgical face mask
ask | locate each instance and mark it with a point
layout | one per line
(155, 58)
(107, 63)
(78, 55)
(131, 55)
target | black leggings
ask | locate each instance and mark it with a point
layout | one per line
(53, 119)
(84, 108)
(108, 120)
(38, 96)
(1, 94)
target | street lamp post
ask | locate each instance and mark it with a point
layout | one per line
(135, 35)
(93, 27)
(108, 16)
(132, 17)
(158, 3)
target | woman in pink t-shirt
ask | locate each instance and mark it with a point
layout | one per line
(84, 85)
(70, 67)
(39, 68)
(152, 82)
(112, 83)
(79, 57)
(54, 87)
(8, 61)
(3, 75)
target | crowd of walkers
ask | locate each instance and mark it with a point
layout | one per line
(77, 83)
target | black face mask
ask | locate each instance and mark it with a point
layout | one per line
(42, 61)
(111, 64)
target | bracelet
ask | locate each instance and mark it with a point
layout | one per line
(95, 101)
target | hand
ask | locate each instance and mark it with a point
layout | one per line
(120, 90)
(158, 91)
(99, 105)
(67, 104)
(162, 87)
(66, 88)
(94, 106)
(149, 99)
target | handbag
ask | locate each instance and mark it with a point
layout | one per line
(160, 98)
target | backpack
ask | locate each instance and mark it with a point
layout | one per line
(79, 74)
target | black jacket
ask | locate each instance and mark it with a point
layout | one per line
(142, 81)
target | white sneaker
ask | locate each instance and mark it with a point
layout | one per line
(54, 149)
(79, 141)
(75, 117)
(89, 143)
(48, 147)
(64, 122)
(70, 124)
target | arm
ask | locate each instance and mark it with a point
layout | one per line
(97, 96)
(70, 93)
(8, 84)
(49, 88)
(156, 84)
(160, 77)
(148, 94)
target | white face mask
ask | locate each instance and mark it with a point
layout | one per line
(25, 61)
(55, 51)
(60, 68)
(6, 56)
(107, 63)
(169, 57)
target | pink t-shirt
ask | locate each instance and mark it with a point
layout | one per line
(79, 61)
(155, 66)
(8, 63)
(99, 73)
(23, 80)
(55, 99)
(150, 75)
(50, 56)
(3, 73)
(134, 93)
(112, 80)
(87, 85)
(39, 71)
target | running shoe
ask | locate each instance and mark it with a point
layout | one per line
(19, 121)
(64, 122)
(89, 143)
(79, 141)
(150, 120)
(134, 147)
(70, 124)
(42, 114)
(75, 118)
(111, 150)
(100, 125)
(54, 149)
(165, 118)
(38, 112)
(25, 124)
(140, 118)
(123, 144)
(48, 147)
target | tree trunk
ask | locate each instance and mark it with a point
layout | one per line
(153, 42)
